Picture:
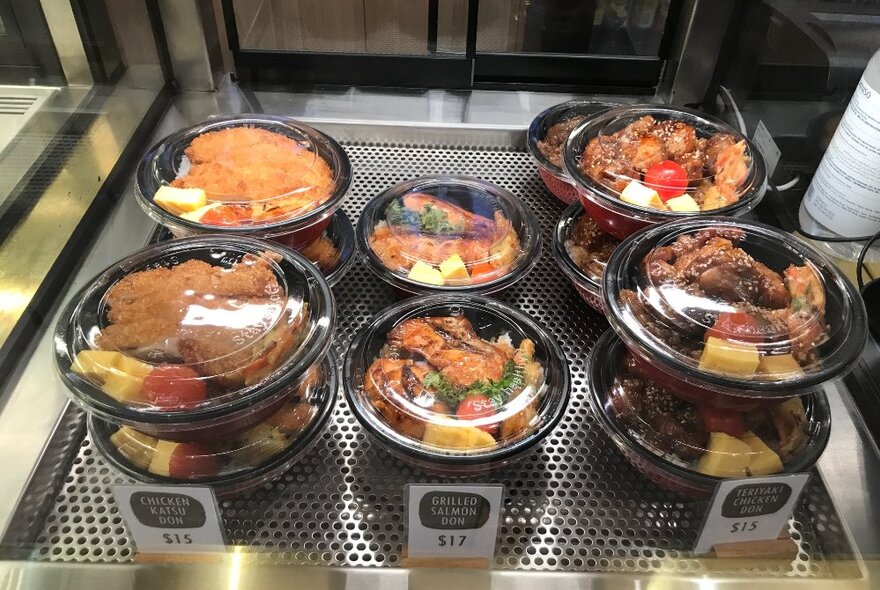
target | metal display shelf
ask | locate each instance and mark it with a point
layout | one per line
(574, 504)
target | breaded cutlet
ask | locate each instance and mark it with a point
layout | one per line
(147, 308)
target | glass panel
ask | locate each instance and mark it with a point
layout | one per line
(350, 26)
(604, 27)
(64, 120)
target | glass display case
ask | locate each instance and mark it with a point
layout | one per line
(319, 256)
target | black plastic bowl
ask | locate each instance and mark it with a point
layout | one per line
(587, 287)
(620, 218)
(465, 191)
(233, 411)
(238, 482)
(490, 319)
(161, 165)
(604, 364)
(554, 176)
(845, 314)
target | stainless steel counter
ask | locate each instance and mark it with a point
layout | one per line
(850, 465)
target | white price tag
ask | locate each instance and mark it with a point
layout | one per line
(752, 509)
(171, 519)
(453, 520)
(768, 148)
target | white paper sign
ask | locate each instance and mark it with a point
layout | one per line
(171, 519)
(453, 520)
(768, 148)
(751, 509)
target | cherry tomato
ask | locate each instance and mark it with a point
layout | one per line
(718, 420)
(193, 460)
(737, 325)
(477, 406)
(225, 215)
(482, 272)
(667, 178)
(174, 387)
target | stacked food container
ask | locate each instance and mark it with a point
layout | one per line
(723, 331)
(205, 358)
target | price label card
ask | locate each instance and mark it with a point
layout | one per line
(171, 519)
(453, 520)
(767, 146)
(753, 509)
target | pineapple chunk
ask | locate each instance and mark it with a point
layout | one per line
(180, 200)
(135, 446)
(122, 376)
(779, 367)
(124, 387)
(96, 364)
(683, 204)
(451, 436)
(425, 273)
(101, 363)
(453, 268)
(638, 194)
(161, 461)
(764, 460)
(729, 358)
(725, 456)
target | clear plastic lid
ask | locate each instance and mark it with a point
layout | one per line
(190, 327)
(735, 304)
(666, 159)
(452, 232)
(333, 251)
(777, 435)
(585, 248)
(550, 129)
(456, 376)
(242, 173)
(286, 432)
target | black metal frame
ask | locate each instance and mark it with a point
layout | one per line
(30, 53)
(471, 70)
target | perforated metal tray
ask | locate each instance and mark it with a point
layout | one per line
(574, 504)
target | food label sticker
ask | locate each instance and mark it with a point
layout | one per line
(751, 509)
(768, 148)
(171, 519)
(453, 520)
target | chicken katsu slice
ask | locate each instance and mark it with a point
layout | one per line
(146, 308)
(246, 163)
(234, 356)
(452, 345)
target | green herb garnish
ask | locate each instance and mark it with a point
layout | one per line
(397, 214)
(429, 219)
(496, 391)
(436, 221)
